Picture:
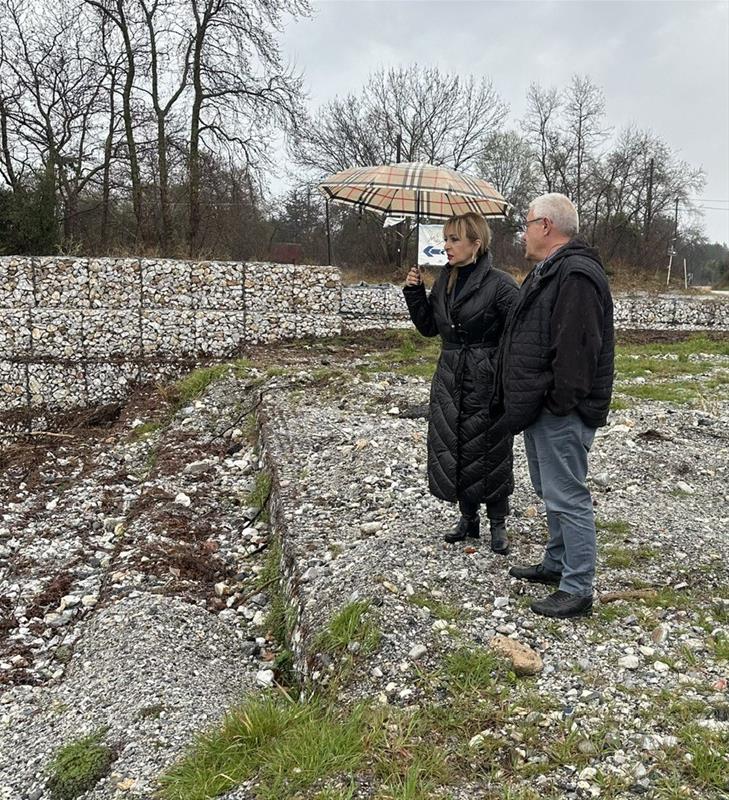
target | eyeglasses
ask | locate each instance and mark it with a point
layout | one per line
(524, 225)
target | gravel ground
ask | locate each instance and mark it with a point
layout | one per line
(130, 595)
(128, 591)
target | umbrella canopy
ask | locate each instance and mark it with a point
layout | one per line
(414, 190)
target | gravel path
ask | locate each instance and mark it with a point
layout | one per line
(130, 593)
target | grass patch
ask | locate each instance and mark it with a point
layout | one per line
(409, 353)
(669, 598)
(285, 745)
(438, 608)
(466, 670)
(189, 388)
(679, 393)
(352, 623)
(708, 766)
(719, 380)
(79, 766)
(320, 749)
(630, 366)
(721, 648)
(692, 345)
(145, 430)
(611, 612)
(258, 496)
(617, 557)
(679, 710)
(413, 784)
(280, 619)
(620, 403)
(617, 527)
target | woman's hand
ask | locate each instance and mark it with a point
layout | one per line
(413, 277)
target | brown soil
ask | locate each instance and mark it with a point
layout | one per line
(666, 337)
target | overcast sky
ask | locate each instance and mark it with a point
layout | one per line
(662, 65)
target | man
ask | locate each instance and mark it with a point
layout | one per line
(556, 378)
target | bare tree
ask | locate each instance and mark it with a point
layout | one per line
(584, 110)
(240, 86)
(57, 113)
(167, 41)
(540, 125)
(117, 12)
(402, 110)
(507, 161)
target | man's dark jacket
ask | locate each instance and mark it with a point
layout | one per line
(469, 453)
(558, 347)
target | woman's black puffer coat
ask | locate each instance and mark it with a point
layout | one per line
(469, 453)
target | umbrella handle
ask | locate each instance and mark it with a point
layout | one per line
(417, 233)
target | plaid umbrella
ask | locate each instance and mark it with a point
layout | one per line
(414, 190)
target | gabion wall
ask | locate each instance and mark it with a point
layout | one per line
(384, 306)
(76, 332)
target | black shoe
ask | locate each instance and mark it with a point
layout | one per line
(536, 574)
(467, 526)
(499, 539)
(563, 605)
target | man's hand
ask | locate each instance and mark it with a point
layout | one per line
(413, 277)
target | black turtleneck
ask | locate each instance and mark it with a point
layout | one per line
(463, 275)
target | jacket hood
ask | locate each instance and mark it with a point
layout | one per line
(575, 247)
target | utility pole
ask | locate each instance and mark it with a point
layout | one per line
(329, 236)
(673, 243)
(398, 233)
(649, 203)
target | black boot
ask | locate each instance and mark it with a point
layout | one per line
(499, 539)
(467, 526)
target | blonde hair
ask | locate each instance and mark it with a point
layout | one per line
(471, 226)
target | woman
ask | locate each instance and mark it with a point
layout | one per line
(469, 453)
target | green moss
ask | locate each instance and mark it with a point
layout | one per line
(78, 766)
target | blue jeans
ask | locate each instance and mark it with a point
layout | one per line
(557, 449)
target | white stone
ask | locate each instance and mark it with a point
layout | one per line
(265, 678)
(370, 528)
(417, 651)
(478, 739)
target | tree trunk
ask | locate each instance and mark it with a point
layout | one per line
(193, 233)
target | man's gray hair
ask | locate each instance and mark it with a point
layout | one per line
(560, 209)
